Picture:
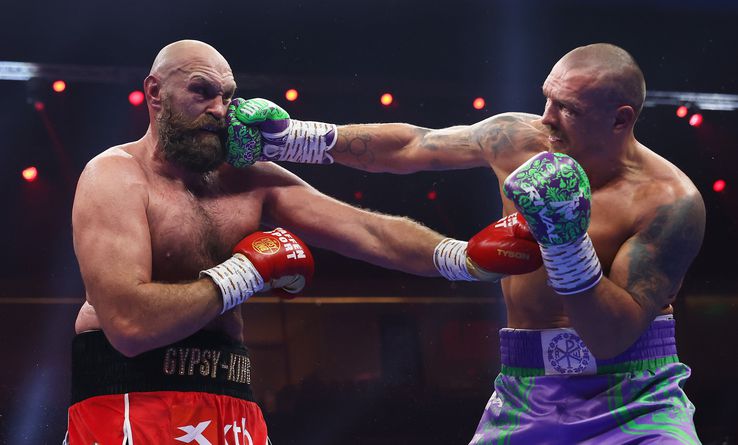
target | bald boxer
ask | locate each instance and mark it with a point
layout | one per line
(589, 355)
(166, 238)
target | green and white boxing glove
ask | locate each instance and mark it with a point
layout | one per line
(552, 192)
(260, 130)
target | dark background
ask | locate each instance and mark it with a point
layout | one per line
(338, 368)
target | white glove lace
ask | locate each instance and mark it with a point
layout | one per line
(237, 280)
(449, 257)
(572, 267)
(302, 141)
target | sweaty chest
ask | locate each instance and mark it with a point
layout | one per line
(190, 233)
(531, 303)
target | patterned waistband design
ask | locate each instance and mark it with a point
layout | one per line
(562, 352)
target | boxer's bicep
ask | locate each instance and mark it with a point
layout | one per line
(319, 219)
(111, 234)
(651, 264)
(325, 222)
(509, 139)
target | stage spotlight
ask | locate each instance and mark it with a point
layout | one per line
(30, 174)
(719, 185)
(478, 103)
(695, 120)
(682, 111)
(59, 86)
(291, 95)
(386, 99)
(136, 98)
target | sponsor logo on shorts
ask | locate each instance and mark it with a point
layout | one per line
(207, 363)
(567, 354)
(234, 433)
(195, 433)
(237, 433)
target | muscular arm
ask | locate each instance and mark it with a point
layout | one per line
(403, 148)
(387, 241)
(644, 278)
(113, 248)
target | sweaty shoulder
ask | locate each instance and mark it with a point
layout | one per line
(114, 172)
(511, 138)
(115, 163)
(665, 192)
(268, 175)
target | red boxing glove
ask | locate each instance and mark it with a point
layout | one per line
(505, 247)
(280, 257)
(263, 261)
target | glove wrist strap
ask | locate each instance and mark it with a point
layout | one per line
(449, 257)
(237, 279)
(572, 267)
(305, 142)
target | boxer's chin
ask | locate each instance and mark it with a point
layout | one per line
(198, 153)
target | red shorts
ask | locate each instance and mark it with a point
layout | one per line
(166, 417)
(194, 391)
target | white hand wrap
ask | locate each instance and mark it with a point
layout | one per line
(449, 257)
(237, 280)
(572, 267)
(302, 141)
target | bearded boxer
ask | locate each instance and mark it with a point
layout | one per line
(165, 236)
(589, 354)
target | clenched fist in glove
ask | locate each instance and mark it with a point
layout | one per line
(263, 261)
(503, 248)
(260, 130)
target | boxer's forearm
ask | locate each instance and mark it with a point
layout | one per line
(607, 318)
(403, 148)
(387, 241)
(406, 245)
(151, 315)
(377, 147)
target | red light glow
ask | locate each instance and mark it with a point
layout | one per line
(30, 174)
(432, 195)
(695, 120)
(136, 98)
(478, 103)
(291, 95)
(59, 86)
(386, 99)
(682, 111)
(719, 185)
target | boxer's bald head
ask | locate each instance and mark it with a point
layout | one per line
(188, 91)
(611, 70)
(185, 55)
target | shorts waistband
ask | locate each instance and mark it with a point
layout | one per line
(204, 362)
(528, 353)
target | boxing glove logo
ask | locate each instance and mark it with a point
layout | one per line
(266, 245)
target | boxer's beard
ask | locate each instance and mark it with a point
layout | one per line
(185, 143)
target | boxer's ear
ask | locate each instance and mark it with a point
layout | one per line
(152, 90)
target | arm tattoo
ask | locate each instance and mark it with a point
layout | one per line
(663, 252)
(356, 144)
(505, 132)
(497, 134)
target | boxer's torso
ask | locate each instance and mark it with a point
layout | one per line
(619, 208)
(193, 226)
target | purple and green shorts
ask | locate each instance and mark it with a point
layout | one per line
(552, 390)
